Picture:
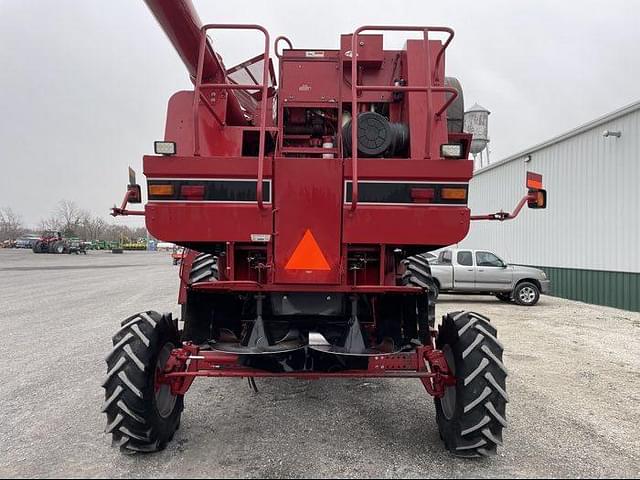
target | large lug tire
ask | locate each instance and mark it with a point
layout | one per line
(436, 291)
(526, 294)
(418, 274)
(141, 417)
(204, 268)
(37, 247)
(471, 415)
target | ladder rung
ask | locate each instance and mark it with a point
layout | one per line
(318, 150)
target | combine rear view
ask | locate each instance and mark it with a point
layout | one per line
(303, 201)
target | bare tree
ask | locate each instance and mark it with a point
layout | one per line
(70, 217)
(51, 224)
(71, 220)
(92, 228)
(11, 226)
(139, 233)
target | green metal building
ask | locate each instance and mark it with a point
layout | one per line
(588, 239)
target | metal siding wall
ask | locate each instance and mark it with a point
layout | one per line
(593, 218)
(616, 289)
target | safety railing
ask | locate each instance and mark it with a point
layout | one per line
(279, 39)
(429, 89)
(263, 87)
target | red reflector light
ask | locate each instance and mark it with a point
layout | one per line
(423, 195)
(192, 192)
(534, 180)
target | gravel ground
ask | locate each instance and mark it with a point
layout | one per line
(574, 388)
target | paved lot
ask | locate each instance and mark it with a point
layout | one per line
(574, 388)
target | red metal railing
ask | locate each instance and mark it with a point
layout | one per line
(429, 89)
(264, 87)
(279, 39)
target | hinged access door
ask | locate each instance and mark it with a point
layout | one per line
(308, 226)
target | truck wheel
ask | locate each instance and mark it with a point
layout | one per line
(418, 274)
(141, 417)
(37, 247)
(471, 415)
(204, 268)
(504, 297)
(526, 294)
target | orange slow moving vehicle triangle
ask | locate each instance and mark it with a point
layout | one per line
(307, 255)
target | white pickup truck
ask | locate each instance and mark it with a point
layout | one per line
(482, 272)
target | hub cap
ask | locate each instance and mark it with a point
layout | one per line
(165, 401)
(448, 402)
(527, 295)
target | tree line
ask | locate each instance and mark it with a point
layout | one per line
(71, 221)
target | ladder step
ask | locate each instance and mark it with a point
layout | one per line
(318, 150)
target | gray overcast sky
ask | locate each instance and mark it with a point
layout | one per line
(84, 84)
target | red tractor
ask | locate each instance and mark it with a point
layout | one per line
(305, 201)
(51, 242)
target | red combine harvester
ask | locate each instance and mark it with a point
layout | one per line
(304, 207)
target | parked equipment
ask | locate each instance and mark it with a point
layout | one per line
(51, 242)
(177, 256)
(26, 241)
(303, 207)
(75, 245)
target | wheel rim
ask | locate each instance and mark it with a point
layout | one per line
(449, 400)
(165, 400)
(527, 294)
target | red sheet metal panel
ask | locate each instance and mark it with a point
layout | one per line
(308, 197)
(310, 81)
(203, 167)
(412, 169)
(207, 222)
(406, 225)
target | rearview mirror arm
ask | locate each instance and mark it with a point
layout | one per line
(131, 192)
(501, 216)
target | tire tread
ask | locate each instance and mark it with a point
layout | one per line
(476, 428)
(128, 391)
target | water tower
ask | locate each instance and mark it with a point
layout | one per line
(476, 122)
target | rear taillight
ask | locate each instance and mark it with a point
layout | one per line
(423, 195)
(192, 192)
